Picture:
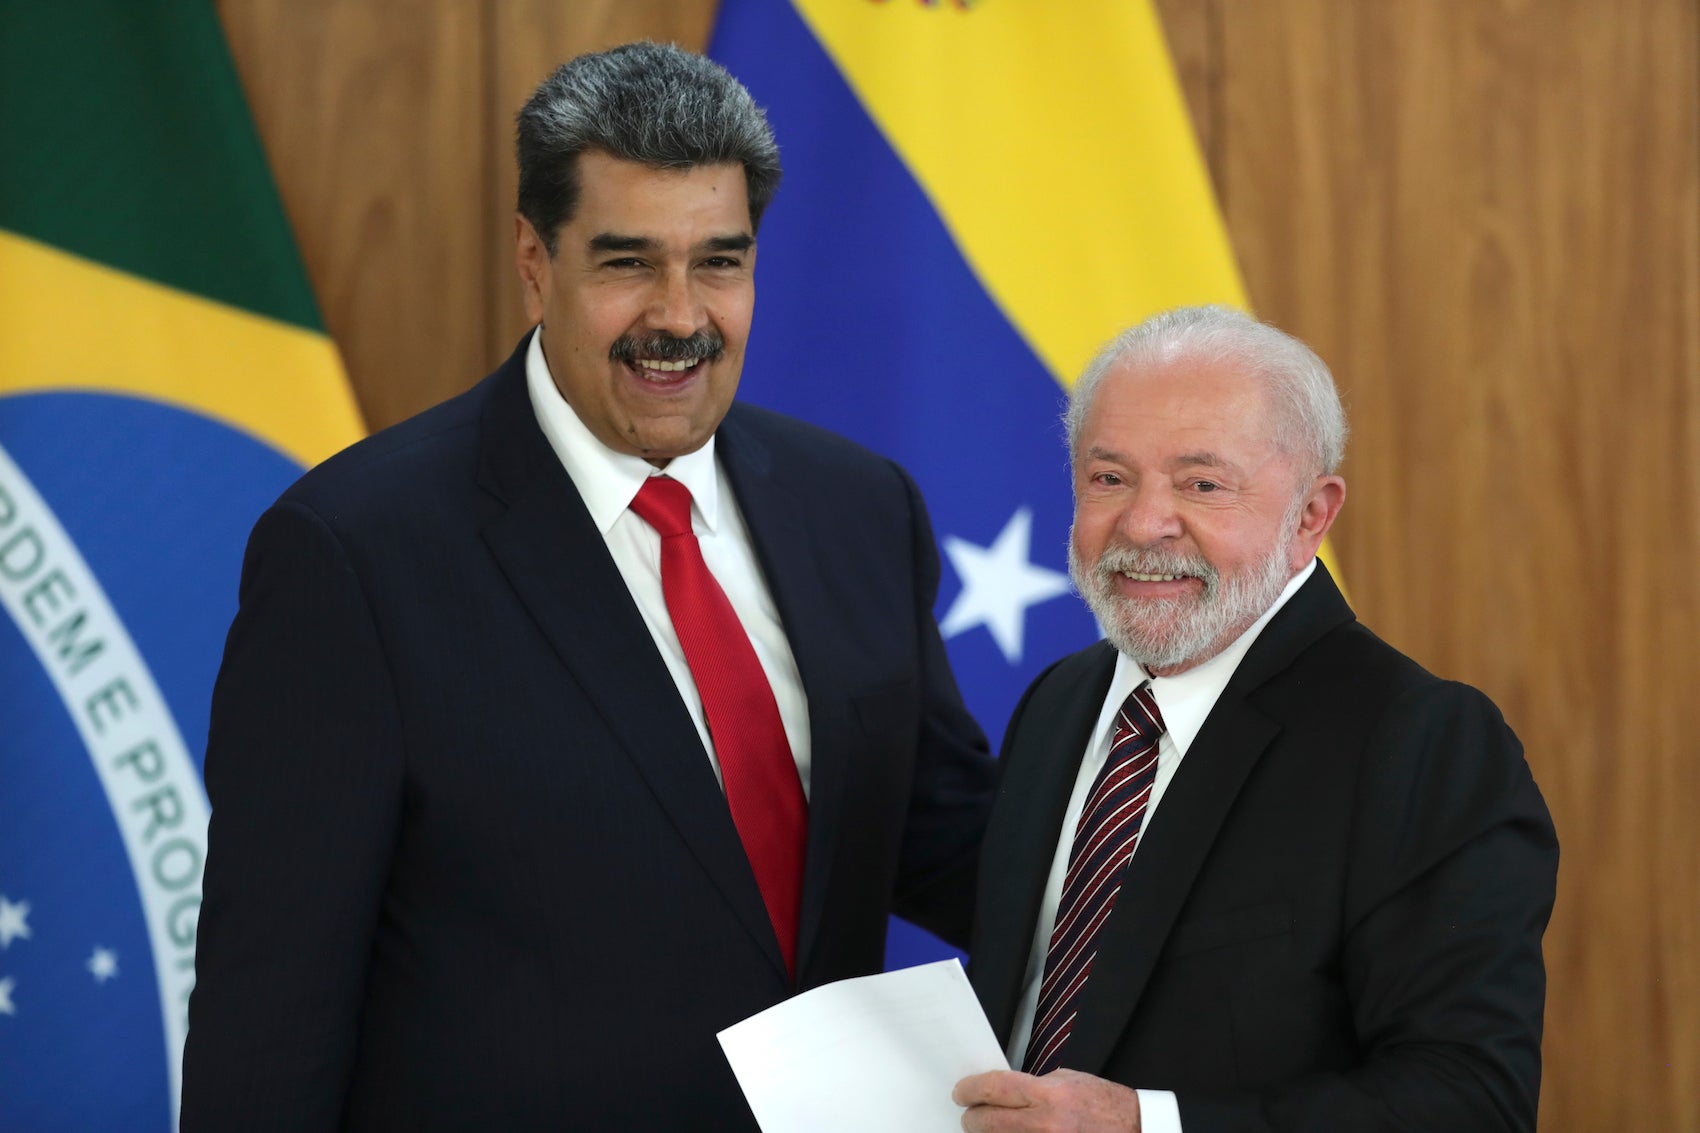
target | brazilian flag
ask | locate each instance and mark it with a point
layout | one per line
(164, 374)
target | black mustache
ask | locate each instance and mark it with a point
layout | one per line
(706, 344)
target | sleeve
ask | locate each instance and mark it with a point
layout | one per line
(304, 772)
(955, 777)
(1449, 887)
(1159, 1112)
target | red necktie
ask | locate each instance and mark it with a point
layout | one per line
(1104, 842)
(763, 789)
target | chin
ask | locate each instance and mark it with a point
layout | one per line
(1150, 651)
(666, 438)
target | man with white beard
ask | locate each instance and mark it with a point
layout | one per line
(1250, 868)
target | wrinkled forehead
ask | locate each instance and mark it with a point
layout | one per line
(1182, 405)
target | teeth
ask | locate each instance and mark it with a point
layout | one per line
(1153, 577)
(668, 367)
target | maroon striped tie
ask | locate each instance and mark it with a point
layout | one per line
(763, 789)
(1103, 842)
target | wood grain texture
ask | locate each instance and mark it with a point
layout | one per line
(372, 116)
(1486, 216)
(528, 39)
(1193, 31)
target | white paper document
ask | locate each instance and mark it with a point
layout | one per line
(875, 1053)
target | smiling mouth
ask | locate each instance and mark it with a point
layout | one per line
(1137, 577)
(663, 366)
(666, 360)
(663, 371)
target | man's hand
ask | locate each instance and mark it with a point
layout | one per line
(1063, 1101)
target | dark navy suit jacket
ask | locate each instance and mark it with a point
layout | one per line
(470, 867)
(1334, 919)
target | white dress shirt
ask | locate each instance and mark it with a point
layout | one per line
(1184, 700)
(608, 481)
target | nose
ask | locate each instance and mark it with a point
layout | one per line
(1150, 515)
(675, 306)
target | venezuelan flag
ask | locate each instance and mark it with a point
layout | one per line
(977, 195)
(163, 376)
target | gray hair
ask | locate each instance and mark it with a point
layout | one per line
(1308, 417)
(652, 103)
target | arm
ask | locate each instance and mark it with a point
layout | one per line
(1450, 880)
(954, 774)
(304, 773)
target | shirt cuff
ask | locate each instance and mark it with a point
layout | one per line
(1159, 1112)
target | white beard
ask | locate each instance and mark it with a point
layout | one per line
(1166, 633)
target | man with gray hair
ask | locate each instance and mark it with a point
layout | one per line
(1250, 868)
(588, 713)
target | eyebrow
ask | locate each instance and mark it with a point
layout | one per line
(742, 242)
(1201, 460)
(1204, 459)
(611, 242)
(614, 242)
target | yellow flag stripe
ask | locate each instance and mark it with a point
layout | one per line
(71, 323)
(1054, 142)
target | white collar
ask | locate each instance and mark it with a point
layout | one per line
(606, 480)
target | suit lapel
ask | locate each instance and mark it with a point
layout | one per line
(1172, 851)
(785, 548)
(559, 565)
(1052, 730)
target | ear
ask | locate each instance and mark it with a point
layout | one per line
(536, 268)
(1316, 516)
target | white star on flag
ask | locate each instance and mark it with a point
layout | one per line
(998, 584)
(6, 986)
(103, 964)
(14, 922)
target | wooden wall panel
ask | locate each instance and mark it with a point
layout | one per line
(1193, 30)
(373, 118)
(1485, 216)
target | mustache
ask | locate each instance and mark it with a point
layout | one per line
(706, 344)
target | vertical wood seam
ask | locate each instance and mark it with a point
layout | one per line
(489, 156)
(1216, 69)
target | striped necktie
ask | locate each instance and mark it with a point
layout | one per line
(1104, 841)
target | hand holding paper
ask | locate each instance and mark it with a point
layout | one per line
(1015, 1103)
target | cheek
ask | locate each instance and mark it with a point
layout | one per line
(1231, 549)
(1093, 527)
(600, 318)
(732, 318)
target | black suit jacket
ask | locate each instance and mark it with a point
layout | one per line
(1334, 918)
(470, 867)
